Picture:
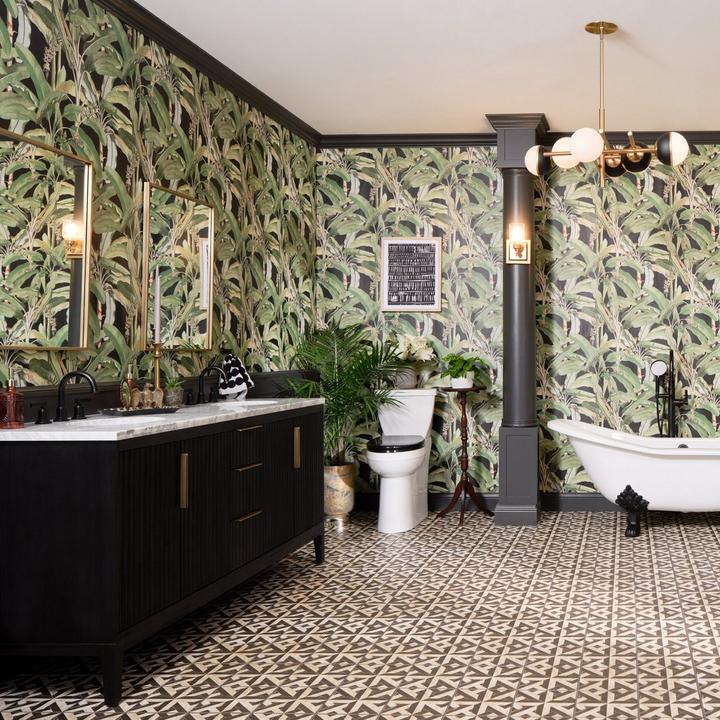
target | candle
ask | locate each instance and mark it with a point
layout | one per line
(157, 305)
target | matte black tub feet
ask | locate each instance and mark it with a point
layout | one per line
(634, 504)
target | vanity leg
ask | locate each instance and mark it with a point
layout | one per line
(112, 666)
(319, 542)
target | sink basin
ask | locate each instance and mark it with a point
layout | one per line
(98, 421)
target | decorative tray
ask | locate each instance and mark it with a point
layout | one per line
(128, 412)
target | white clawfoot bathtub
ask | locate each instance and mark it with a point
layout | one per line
(678, 474)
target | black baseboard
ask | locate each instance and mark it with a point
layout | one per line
(550, 502)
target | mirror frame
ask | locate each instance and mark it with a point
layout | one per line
(144, 340)
(87, 246)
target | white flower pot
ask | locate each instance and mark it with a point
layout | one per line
(463, 383)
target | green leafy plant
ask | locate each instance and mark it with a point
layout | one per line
(351, 373)
(460, 365)
(174, 382)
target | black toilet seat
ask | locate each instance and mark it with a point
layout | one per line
(395, 443)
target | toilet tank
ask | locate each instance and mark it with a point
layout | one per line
(412, 415)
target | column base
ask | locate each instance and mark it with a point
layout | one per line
(517, 514)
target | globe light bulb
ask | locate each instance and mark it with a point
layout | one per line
(586, 144)
(536, 162)
(564, 161)
(672, 148)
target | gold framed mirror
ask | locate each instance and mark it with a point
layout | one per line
(178, 260)
(45, 241)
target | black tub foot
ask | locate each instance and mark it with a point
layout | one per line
(629, 500)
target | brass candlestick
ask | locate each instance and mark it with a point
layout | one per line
(157, 356)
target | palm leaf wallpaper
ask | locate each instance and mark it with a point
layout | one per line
(102, 91)
(624, 274)
(450, 193)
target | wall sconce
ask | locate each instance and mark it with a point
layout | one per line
(517, 245)
(73, 238)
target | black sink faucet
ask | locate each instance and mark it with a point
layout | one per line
(201, 383)
(61, 413)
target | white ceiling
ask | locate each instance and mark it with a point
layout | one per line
(438, 66)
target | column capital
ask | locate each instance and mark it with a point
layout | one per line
(516, 133)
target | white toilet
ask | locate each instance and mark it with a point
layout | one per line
(401, 456)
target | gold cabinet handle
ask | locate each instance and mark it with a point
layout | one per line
(184, 480)
(245, 468)
(297, 453)
(250, 427)
(245, 518)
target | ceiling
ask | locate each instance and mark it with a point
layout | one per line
(438, 66)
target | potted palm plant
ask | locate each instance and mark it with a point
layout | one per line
(352, 374)
(461, 370)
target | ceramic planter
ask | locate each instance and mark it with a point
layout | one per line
(406, 379)
(463, 383)
(339, 490)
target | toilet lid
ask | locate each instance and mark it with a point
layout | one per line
(395, 443)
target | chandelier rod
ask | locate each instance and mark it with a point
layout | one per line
(601, 118)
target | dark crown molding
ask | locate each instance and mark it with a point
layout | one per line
(409, 140)
(133, 14)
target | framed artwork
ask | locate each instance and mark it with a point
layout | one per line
(411, 274)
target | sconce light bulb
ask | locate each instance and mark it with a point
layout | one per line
(516, 232)
(72, 230)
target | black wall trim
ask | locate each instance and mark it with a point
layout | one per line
(156, 29)
(648, 137)
(411, 140)
(552, 502)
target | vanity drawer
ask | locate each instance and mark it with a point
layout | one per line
(247, 537)
(245, 490)
(246, 445)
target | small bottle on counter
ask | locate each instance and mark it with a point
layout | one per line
(12, 408)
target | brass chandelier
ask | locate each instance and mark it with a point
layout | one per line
(590, 145)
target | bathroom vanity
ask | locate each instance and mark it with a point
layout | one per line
(111, 529)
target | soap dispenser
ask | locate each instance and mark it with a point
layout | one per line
(12, 408)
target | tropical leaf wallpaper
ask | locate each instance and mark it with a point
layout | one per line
(450, 193)
(77, 78)
(624, 273)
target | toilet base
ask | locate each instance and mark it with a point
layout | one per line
(400, 506)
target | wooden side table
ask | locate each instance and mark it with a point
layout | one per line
(465, 485)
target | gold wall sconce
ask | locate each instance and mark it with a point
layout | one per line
(518, 246)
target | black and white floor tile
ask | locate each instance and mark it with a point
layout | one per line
(567, 620)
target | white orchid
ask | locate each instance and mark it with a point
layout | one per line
(414, 347)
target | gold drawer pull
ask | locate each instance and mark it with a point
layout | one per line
(250, 427)
(296, 448)
(243, 518)
(184, 480)
(245, 468)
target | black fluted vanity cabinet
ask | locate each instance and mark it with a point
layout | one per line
(104, 543)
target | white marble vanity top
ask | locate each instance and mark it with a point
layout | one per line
(108, 428)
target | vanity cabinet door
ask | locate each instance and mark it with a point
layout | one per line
(151, 525)
(307, 472)
(203, 550)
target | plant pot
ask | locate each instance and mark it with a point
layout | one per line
(173, 397)
(406, 379)
(339, 490)
(463, 383)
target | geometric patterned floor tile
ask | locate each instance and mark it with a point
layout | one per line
(566, 620)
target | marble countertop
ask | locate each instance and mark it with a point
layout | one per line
(107, 428)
